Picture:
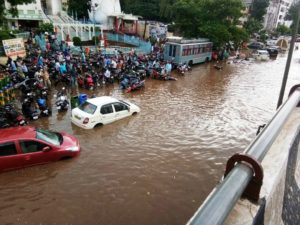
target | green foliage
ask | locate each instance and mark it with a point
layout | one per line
(171, 28)
(292, 15)
(160, 10)
(283, 30)
(46, 27)
(152, 40)
(213, 19)
(263, 36)
(5, 34)
(13, 3)
(78, 6)
(95, 38)
(76, 41)
(13, 10)
(253, 26)
(259, 9)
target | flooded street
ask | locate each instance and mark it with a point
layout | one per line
(155, 168)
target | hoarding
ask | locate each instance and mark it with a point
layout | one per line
(14, 48)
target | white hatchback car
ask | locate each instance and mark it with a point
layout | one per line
(102, 110)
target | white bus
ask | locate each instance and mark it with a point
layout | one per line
(181, 51)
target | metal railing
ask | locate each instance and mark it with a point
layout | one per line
(223, 198)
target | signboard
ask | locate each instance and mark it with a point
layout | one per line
(14, 48)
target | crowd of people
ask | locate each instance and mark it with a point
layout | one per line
(53, 65)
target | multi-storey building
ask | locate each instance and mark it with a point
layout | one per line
(276, 13)
(30, 15)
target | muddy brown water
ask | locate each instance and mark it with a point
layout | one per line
(154, 168)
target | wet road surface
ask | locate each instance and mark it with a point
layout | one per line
(156, 167)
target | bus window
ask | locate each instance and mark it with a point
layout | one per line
(170, 50)
(174, 51)
(184, 51)
(189, 51)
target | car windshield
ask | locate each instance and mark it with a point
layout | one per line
(88, 108)
(49, 136)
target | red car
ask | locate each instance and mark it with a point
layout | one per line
(27, 146)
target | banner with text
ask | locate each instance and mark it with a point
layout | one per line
(14, 48)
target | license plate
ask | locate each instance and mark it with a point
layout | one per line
(35, 117)
(22, 122)
(58, 107)
(77, 117)
(45, 111)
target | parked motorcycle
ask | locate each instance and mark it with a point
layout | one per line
(62, 104)
(13, 116)
(136, 85)
(86, 82)
(44, 109)
(28, 110)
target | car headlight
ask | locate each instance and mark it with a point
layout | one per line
(73, 149)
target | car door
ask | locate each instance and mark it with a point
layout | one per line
(121, 110)
(33, 153)
(9, 156)
(107, 113)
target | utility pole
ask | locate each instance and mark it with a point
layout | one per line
(289, 59)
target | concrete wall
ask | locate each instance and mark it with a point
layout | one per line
(280, 194)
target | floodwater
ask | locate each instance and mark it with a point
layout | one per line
(155, 168)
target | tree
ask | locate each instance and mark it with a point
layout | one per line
(165, 9)
(149, 9)
(76, 41)
(213, 19)
(259, 9)
(253, 26)
(79, 8)
(292, 14)
(283, 30)
(46, 27)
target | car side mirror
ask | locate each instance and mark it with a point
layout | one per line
(46, 149)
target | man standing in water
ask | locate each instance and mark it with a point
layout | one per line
(168, 68)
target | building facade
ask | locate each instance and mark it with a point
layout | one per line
(30, 15)
(276, 13)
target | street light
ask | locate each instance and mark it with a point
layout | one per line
(93, 8)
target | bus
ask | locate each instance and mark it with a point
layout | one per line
(181, 51)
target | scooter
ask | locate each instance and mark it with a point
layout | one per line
(42, 103)
(62, 104)
(28, 110)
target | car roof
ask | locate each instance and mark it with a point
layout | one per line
(14, 133)
(102, 100)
